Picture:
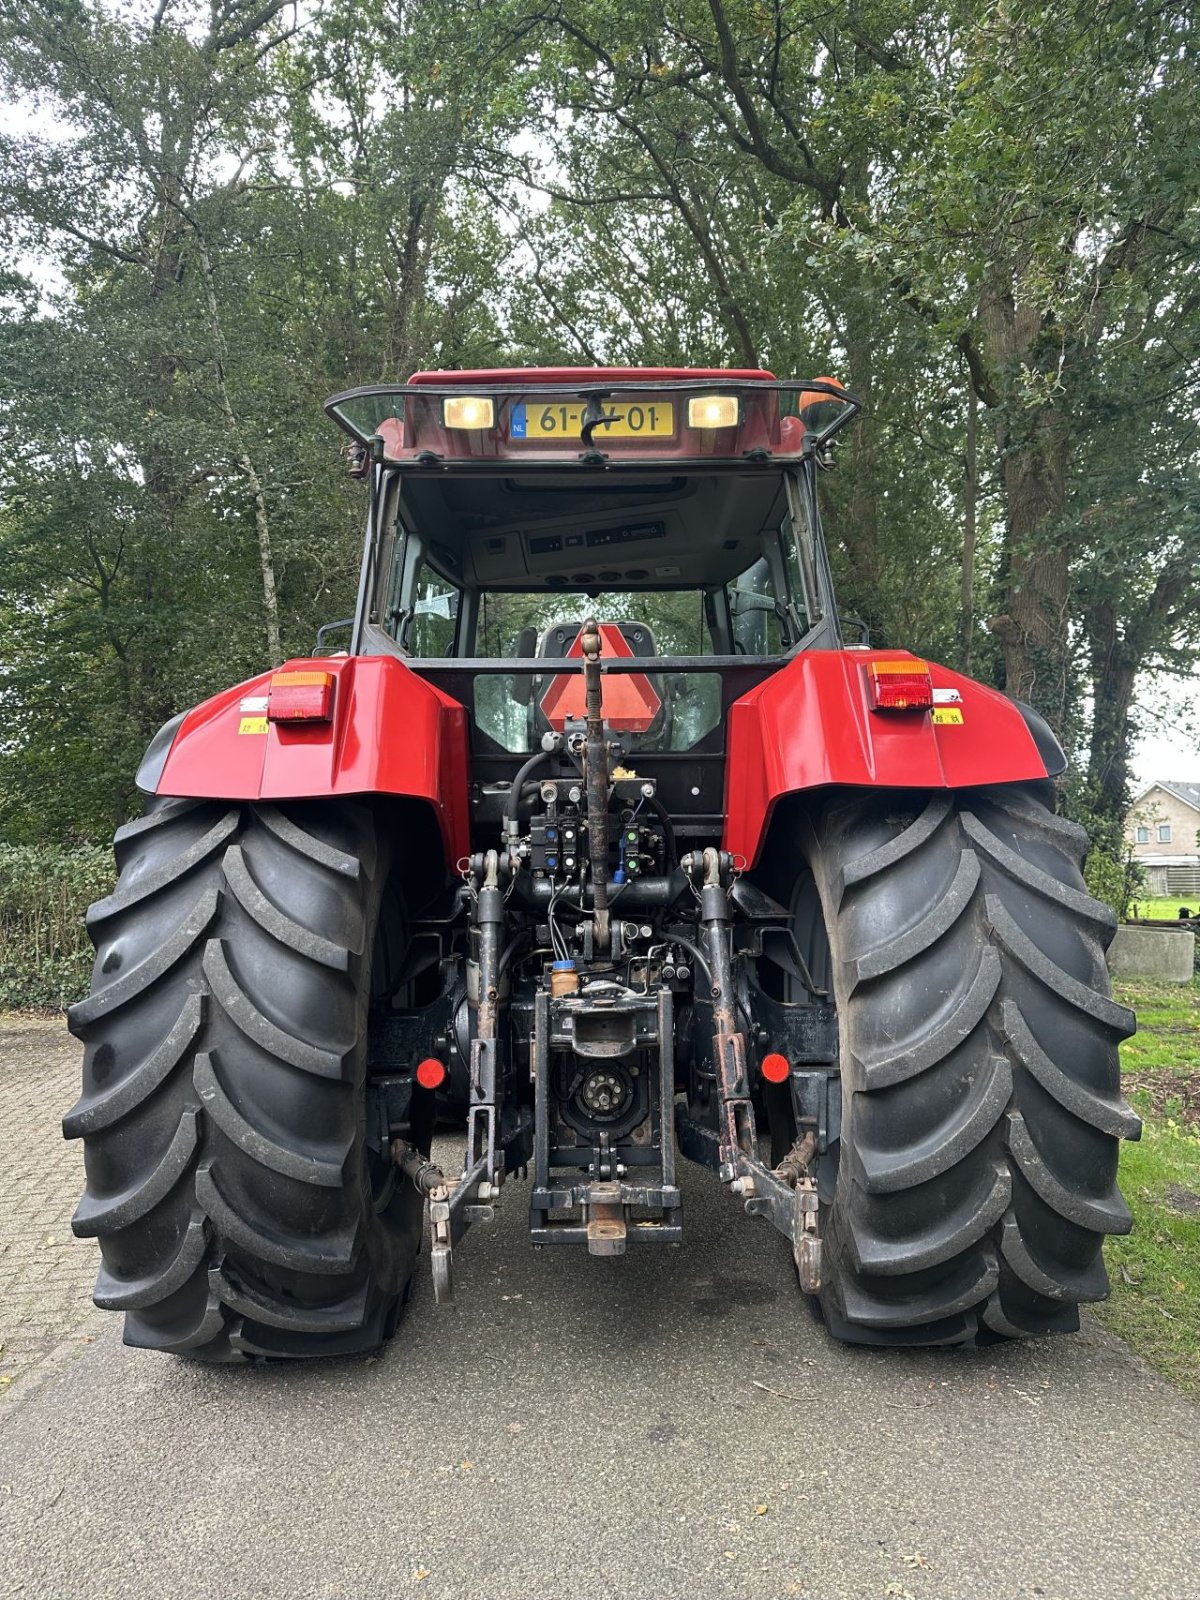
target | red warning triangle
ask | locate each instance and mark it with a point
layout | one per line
(629, 700)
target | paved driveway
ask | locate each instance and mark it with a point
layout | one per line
(671, 1425)
(46, 1274)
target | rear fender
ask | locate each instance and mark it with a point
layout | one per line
(812, 725)
(391, 733)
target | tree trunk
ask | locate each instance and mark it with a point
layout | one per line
(1114, 672)
(244, 463)
(411, 254)
(1124, 635)
(860, 523)
(1034, 450)
(966, 611)
(1033, 630)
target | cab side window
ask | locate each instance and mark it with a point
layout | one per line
(390, 610)
(755, 610)
(433, 626)
(797, 539)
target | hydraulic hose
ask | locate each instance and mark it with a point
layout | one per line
(512, 810)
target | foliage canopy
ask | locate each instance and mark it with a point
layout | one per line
(982, 217)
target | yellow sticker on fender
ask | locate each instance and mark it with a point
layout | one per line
(259, 725)
(947, 714)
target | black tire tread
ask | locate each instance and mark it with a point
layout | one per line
(96, 1216)
(92, 1113)
(132, 1294)
(177, 944)
(227, 1178)
(241, 1010)
(976, 1172)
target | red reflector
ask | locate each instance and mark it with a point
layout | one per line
(900, 685)
(300, 697)
(776, 1068)
(431, 1074)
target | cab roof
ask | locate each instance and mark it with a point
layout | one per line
(624, 477)
(524, 376)
(591, 417)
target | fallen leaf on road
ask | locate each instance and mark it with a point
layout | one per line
(420, 1574)
(760, 1511)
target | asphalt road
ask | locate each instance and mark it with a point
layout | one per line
(670, 1424)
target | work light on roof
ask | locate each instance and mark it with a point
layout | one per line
(469, 411)
(713, 411)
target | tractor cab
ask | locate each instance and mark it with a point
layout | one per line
(678, 509)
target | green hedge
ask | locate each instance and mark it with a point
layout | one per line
(45, 953)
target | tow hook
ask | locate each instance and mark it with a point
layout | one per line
(807, 1247)
(806, 1238)
(450, 1211)
(441, 1250)
(428, 1179)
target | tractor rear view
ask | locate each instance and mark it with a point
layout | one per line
(600, 842)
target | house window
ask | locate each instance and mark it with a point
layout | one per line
(1164, 833)
(1143, 836)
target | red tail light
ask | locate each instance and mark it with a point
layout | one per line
(431, 1073)
(300, 697)
(900, 685)
(776, 1068)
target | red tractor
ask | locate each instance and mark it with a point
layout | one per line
(601, 839)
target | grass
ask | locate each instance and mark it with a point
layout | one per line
(1155, 1270)
(1168, 1036)
(1160, 910)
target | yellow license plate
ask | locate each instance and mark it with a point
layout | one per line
(558, 419)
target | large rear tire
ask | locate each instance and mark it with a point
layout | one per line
(975, 1177)
(242, 1204)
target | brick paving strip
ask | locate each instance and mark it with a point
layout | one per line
(46, 1274)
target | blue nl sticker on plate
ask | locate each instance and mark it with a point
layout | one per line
(516, 425)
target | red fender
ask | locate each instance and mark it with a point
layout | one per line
(812, 724)
(391, 733)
